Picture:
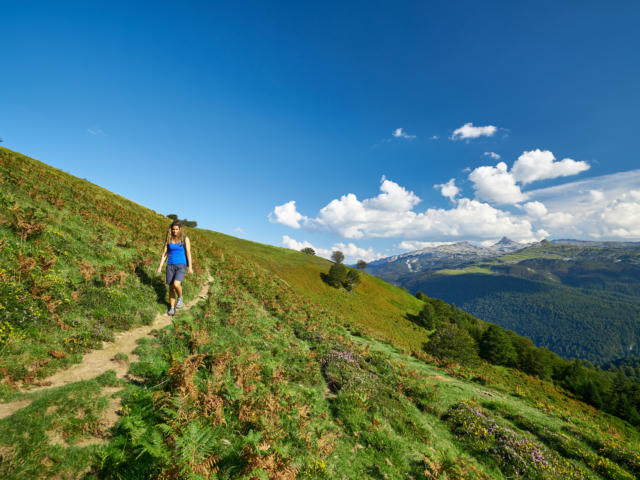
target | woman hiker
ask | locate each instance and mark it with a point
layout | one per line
(177, 248)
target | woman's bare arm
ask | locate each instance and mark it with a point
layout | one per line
(187, 244)
(162, 258)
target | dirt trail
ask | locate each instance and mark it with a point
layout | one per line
(98, 362)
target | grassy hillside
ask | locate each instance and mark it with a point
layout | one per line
(273, 375)
(78, 264)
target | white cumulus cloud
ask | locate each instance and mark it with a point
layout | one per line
(295, 244)
(621, 217)
(449, 189)
(286, 214)
(496, 185)
(400, 133)
(541, 165)
(605, 207)
(539, 213)
(352, 218)
(493, 155)
(536, 209)
(391, 214)
(352, 253)
(468, 131)
(393, 197)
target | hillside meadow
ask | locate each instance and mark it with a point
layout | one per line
(273, 374)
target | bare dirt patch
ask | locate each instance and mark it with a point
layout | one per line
(55, 438)
(8, 409)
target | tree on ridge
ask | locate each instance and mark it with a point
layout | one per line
(337, 256)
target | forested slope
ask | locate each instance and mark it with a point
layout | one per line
(581, 302)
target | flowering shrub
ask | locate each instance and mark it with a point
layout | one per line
(342, 370)
(316, 469)
(517, 455)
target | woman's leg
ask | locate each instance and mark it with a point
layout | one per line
(172, 295)
(177, 287)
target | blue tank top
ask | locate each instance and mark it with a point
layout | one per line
(177, 254)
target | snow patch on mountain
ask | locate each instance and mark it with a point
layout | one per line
(443, 256)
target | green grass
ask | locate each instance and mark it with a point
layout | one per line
(462, 271)
(375, 306)
(49, 436)
(273, 375)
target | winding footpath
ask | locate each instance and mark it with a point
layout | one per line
(98, 362)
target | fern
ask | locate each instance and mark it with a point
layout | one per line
(195, 448)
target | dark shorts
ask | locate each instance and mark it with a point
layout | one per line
(175, 273)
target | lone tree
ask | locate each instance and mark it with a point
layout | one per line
(308, 251)
(361, 265)
(337, 256)
(353, 278)
(337, 275)
(185, 222)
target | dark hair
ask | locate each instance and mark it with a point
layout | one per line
(180, 237)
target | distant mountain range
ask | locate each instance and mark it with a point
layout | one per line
(454, 255)
(577, 298)
(442, 256)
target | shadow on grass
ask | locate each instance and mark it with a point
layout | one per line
(415, 319)
(327, 280)
(156, 282)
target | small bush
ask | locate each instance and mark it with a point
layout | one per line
(337, 275)
(454, 344)
(353, 278)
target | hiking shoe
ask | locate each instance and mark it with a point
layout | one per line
(179, 303)
(171, 312)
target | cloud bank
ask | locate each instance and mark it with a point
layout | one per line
(606, 207)
(391, 214)
(352, 253)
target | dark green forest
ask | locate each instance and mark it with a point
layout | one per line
(460, 337)
(584, 309)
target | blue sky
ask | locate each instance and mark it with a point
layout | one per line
(226, 113)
